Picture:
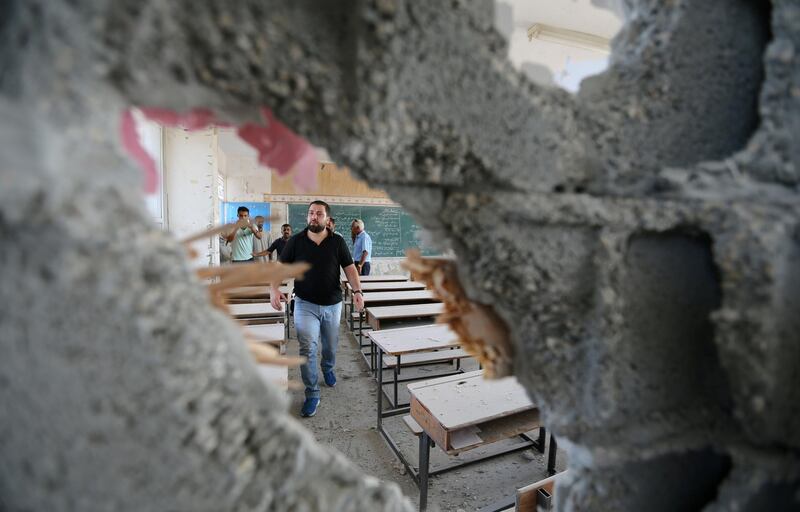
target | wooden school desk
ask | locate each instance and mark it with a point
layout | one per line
(392, 298)
(462, 412)
(383, 316)
(412, 346)
(274, 334)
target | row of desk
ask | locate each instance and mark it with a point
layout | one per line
(457, 411)
(250, 306)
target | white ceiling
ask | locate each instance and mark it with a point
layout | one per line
(580, 15)
(557, 63)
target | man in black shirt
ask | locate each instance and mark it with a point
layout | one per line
(278, 245)
(318, 297)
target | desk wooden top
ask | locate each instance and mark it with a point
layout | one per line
(459, 401)
(253, 292)
(266, 333)
(256, 310)
(398, 296)
(414, 339)
(382, 313)
(379, 279)
(379, 287)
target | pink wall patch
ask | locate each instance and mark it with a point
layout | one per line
(282, 149)
(278, 146)
(133, 145)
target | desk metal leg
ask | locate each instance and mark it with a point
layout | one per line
(374, 360)
(380, 395)
(424, 462)
(542, 439)
(396, 377)
(551, 456)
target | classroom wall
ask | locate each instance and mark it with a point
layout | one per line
(190, 187)
(205, 167)
(245, 179)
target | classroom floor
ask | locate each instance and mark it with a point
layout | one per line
(346, 421)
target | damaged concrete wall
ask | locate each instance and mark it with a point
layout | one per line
(643, 239)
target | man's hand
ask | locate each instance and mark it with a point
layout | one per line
(358, 301)
(276, 299)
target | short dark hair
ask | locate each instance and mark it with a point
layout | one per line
(286, 226)
(322, 203)
(333, 221)
(242, 209)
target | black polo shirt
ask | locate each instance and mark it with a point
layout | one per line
(321, 284)
(278, 246)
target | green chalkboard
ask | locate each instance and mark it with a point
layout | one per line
(392, 230)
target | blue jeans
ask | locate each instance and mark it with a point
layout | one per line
(365, 269)
(315, 323)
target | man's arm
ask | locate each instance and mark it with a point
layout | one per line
(239, 224)
(367, 247)
(230, 236)
(275, 295)
(355, 283)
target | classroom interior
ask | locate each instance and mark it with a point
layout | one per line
(584, 256)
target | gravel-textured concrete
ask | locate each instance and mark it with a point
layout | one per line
(640, 239)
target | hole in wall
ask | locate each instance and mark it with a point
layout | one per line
(670, 287)
(717, 73)
(685, 481)
(558, 44)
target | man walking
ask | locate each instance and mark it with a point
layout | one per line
(242, 237)
(362, 247)
(318, 298)
(260, 245)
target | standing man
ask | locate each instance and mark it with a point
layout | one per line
(318, 298)
(260, 253)
(332, 226)
(362, 247)
(242, 237)
(278, 245)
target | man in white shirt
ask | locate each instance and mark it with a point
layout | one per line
(242, 237)
(260, 245)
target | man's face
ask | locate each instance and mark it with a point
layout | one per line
(317, 218)
(286, 231)
(354, 229)
(260, 223)
(244, 217)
